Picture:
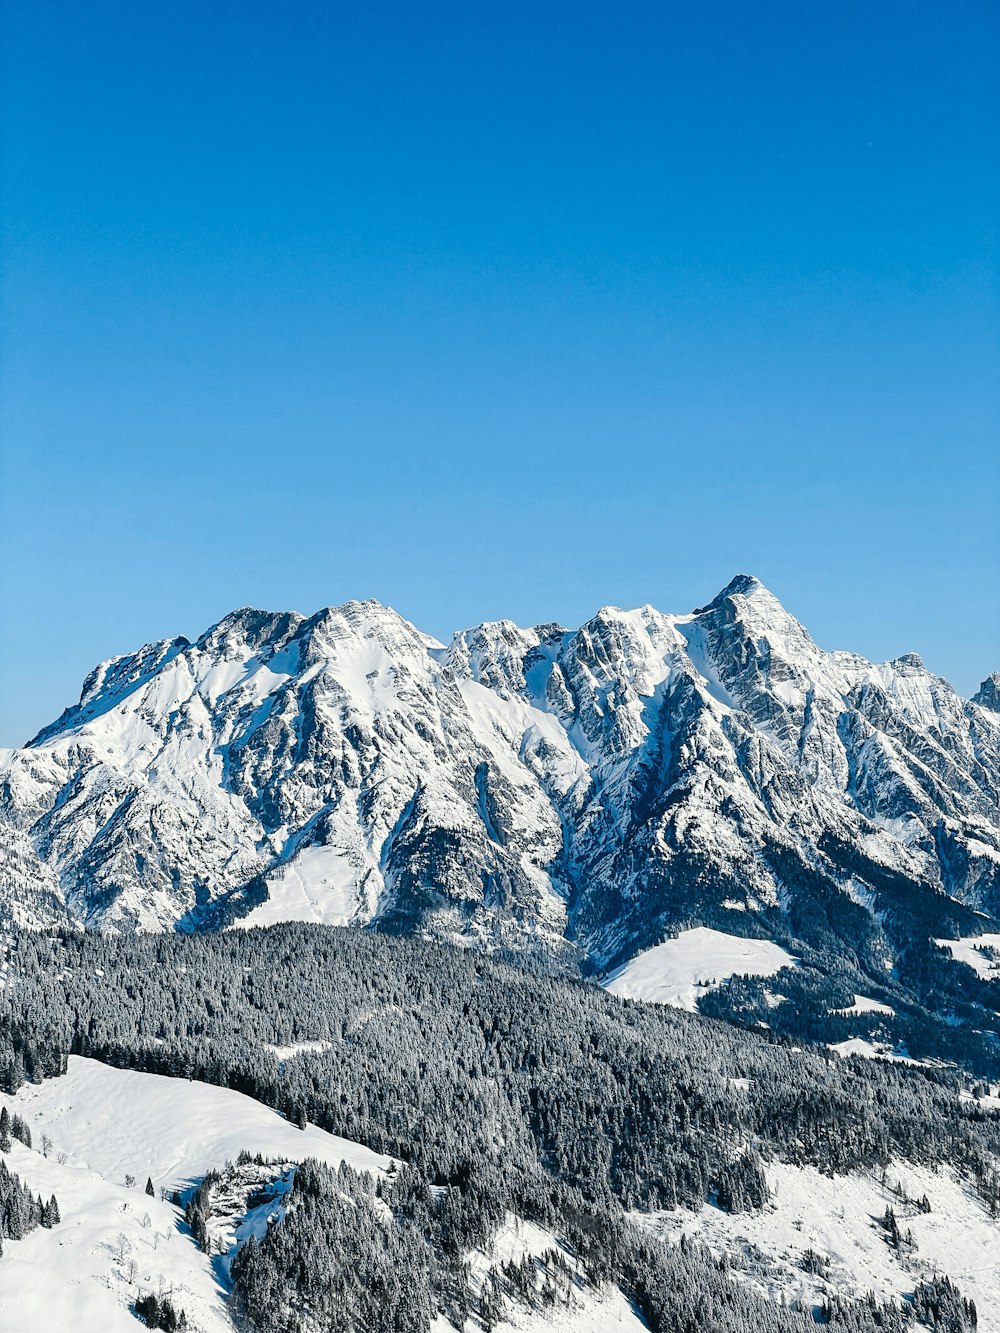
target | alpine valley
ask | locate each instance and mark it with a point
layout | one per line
(640, 975)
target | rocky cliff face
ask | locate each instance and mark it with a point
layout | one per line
(587, 789)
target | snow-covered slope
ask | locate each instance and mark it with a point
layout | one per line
(114, 1241)
(578, 1307)
(980, 952)
(822, 1235)
(80, 1274)
(121, 1122)
(680, 970)
(604, 786)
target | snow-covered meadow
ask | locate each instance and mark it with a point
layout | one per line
(679, 971)
(91, 1129)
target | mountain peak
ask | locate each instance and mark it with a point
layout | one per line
(249, 624)
(742, 585)
(581, 778)
(112, 680)
(913, 660)
(745, 590)
(988, 694)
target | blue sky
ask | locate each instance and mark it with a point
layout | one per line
(496, 310)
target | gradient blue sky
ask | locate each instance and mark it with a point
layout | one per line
(497, 310)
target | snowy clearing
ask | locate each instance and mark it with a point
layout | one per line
(321, 885)
(587, 1310)
(298, 1048)
(838, 1220)
(864, 1004)
(878, 1050)
(679, 971)
(969, 950)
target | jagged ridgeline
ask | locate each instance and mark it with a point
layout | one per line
(587, 789)
(500, 1091)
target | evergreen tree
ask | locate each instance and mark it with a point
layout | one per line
(19, 1129)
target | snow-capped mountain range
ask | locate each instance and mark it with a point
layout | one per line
(592, 789)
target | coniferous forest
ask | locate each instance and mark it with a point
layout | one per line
(497, 1090)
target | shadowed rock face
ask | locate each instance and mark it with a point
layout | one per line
(988, 694)
(589, 789)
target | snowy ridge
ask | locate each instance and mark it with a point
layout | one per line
(593, 790)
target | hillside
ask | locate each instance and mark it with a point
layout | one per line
(535, 1149)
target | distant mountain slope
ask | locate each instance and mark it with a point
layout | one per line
(591, 789)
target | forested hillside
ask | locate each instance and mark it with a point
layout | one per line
(500, 1092)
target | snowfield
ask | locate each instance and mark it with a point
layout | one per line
(838, 1219)
(85, 1273)
(969, 950)
(321, 885)
(679, 971)
(878, 1050)
(119, 1122)
(299, 1048)
(587, 1310)
(864, 1004)
(115, 1242)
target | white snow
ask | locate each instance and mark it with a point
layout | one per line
(589, 1310)
(320, 885)
(838, 1218)
(878, 1050)
(967, 950)
(977, 848)
(79, 1277)
(988, 1101)
(297, 1048)
(105, 1123)
(860, 1046)
(864, 1004)
(235, 1213)
(118, 1121)
(679, 971)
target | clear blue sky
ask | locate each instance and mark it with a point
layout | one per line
(497, 309)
